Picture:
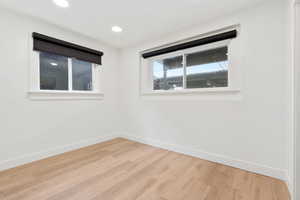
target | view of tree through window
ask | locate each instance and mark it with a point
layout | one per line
(168, 74)
(207, 69)
(204, 69)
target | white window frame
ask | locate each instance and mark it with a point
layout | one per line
(146, 73)
(35, 93)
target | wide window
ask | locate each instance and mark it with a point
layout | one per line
(200, 69)
(195, 65)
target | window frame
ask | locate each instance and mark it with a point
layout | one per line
(147, 83)
(70, 77)
(35, 93)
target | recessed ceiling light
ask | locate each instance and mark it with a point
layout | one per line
(62, 3)
(54, 64)
(116, 29)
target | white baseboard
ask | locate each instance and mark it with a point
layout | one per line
(245, 165)
(7, 164)
(290, 186)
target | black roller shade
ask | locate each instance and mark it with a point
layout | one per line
(52, 45)
(194, 43)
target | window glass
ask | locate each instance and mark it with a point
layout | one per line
(53, 72)
(207, 69)
(168, 74)
(81, 75)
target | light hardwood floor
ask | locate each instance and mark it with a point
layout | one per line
(125, 170)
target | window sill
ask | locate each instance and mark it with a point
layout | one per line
(64, 95)
(191, 91)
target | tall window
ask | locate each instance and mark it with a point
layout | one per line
(63, 73)
(53, 72)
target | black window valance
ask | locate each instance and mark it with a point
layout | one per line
(52, 45)
(193, 43)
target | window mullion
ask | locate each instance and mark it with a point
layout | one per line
(70, 74)
(94, 79)
(184, 70)
(37, 72)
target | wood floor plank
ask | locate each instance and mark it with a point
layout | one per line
(105, 184)
(2, 196)
(125, 170)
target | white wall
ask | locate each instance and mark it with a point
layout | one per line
(291, 92)
(297, 105)
(249, 127)
(27, 126)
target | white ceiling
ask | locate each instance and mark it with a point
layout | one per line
(141, 20)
